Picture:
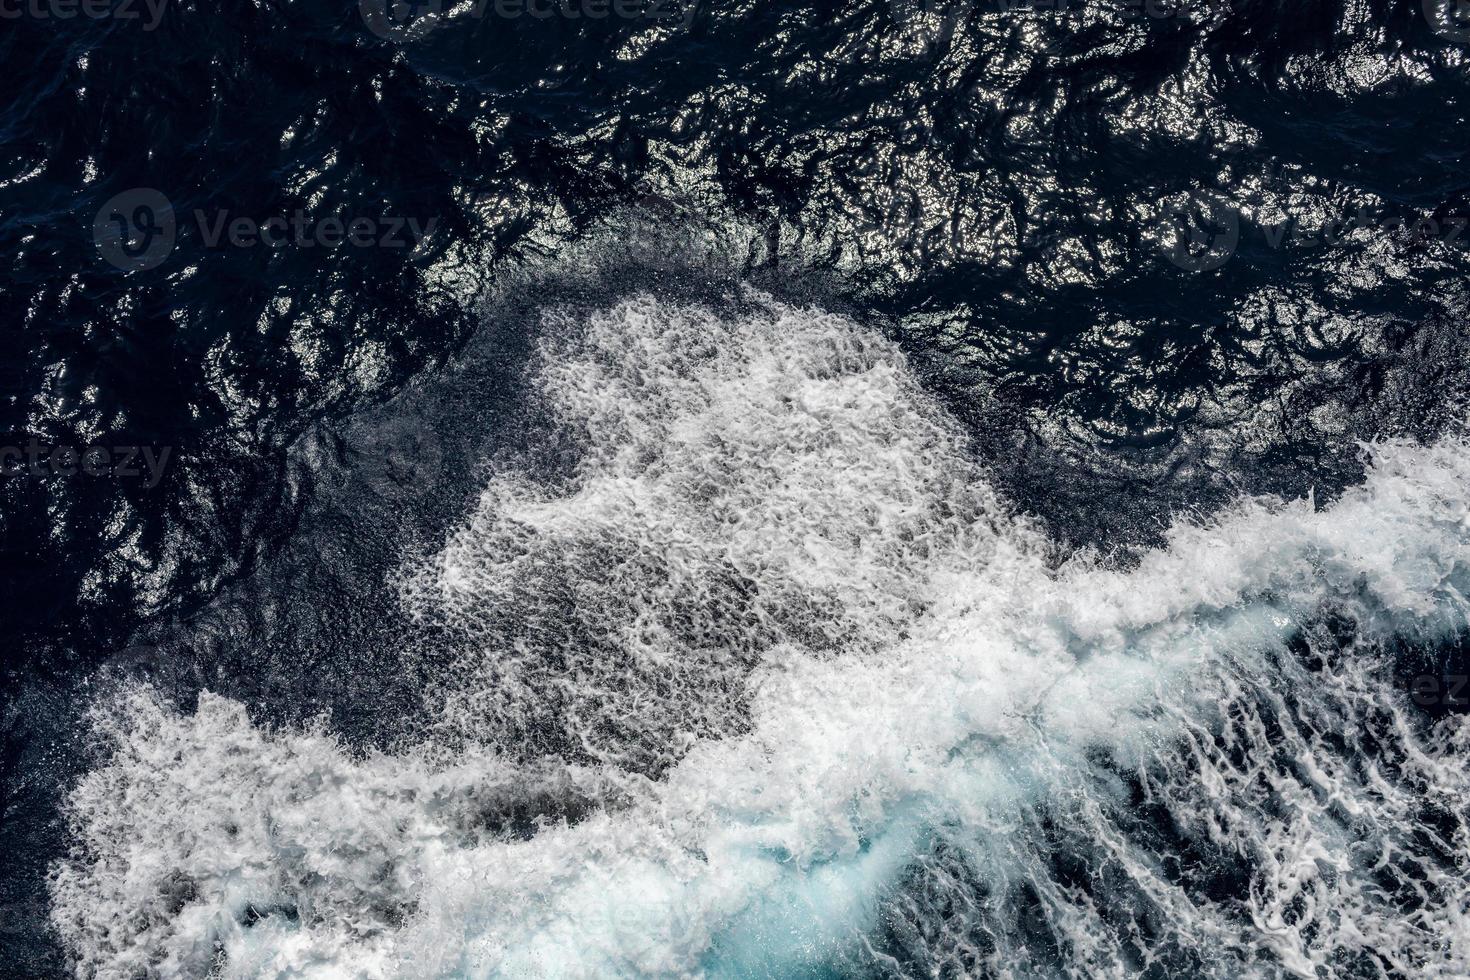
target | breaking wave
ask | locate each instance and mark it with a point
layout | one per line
(769, 681)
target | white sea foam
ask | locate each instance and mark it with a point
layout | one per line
(794, 692)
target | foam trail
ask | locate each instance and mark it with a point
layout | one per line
(815, 702)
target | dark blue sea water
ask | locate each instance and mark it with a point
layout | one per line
(544, 395)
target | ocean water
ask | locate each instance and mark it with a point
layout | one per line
(773, 682)
(782, 490)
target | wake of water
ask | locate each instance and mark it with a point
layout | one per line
(773, 683)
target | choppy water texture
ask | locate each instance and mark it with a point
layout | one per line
(772, 683)
(798, 513)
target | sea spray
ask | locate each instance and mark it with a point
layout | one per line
(786, 688)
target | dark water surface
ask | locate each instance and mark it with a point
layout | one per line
(1003, 189)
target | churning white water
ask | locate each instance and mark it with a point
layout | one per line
(773, 684)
